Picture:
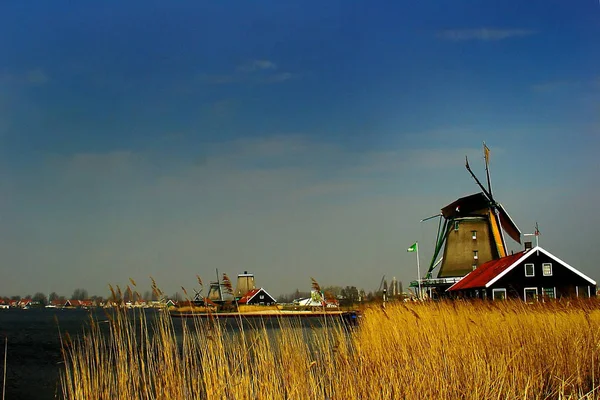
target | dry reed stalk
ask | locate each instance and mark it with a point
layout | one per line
(445, 350)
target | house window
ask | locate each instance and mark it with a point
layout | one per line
(498, 294)
(582, 291)
(547, 269)
(262, 297)
(529, 270)
(455, 225)
(550, 292)
(474, 267)
(474, 235)
(475, 254)
(530, 294)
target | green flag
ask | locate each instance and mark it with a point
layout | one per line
(412, 248)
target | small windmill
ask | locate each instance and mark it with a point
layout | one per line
(471, 230)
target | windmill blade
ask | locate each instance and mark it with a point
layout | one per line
(508, 225)
(485, 192)
(486, 155)
(433, 216)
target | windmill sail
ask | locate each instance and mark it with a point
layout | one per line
(474, 230)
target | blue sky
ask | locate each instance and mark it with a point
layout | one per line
(291, 139)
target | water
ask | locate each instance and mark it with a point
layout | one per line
(34, 355)
(34, 358)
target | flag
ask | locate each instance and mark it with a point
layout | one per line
(537, 231)
(413, 248)
(486, 152)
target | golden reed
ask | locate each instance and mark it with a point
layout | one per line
(436, 350)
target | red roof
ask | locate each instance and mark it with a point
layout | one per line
(486, 272)
(248, 296)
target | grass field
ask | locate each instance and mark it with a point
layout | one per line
(441, 350)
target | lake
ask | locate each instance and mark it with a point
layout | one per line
(34, 357)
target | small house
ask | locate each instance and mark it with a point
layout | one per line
(257, 297)
(57, 303)
(170, 303)
(72, 303)
(528, 275)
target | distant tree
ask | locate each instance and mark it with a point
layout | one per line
(362, 295)
(53, 296)
(285, 298)
(350, 295)
(16, 298)
(297, 294)
(148, 295)
(333, 291)
(79, 294)
(40, 297)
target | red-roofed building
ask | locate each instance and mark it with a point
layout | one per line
(79, 303)
(527, 275)
(257, 297)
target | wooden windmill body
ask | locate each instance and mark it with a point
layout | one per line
(471, 231)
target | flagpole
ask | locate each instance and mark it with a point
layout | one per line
(419, 272)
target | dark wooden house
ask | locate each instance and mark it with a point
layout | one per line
(528, 275)
(257, 297)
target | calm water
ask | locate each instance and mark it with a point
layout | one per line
(34, 358)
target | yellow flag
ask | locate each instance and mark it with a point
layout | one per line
(486, 151)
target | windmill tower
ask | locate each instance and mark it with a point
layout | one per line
(471, 231)
(245, 283)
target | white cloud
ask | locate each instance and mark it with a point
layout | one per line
(252, 72)
(552, 86)
(559, 85)
(257, 65)
(484, 34)
(280, 77)
(37, 77)
(33, 77)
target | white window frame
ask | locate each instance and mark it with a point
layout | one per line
(474, 235)
(544, 272)
(475, 254)
(474, 267)
(530, 288)
(544, 292)
(494, 291)
(588, 290)
(532, 270)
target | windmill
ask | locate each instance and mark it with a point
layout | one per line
(471, 230)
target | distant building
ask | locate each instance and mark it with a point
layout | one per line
(528, 275)
(245, 283)
(316, 300)
(257, 297)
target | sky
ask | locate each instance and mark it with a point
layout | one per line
(290, 139)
